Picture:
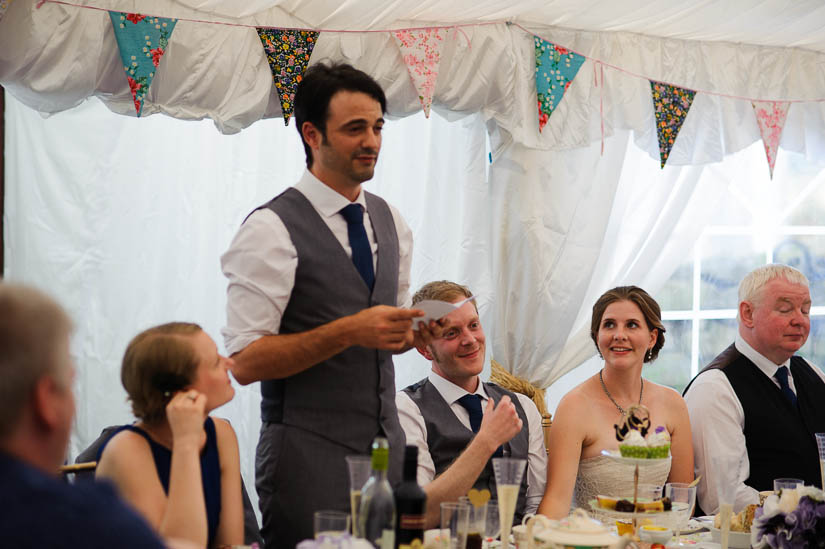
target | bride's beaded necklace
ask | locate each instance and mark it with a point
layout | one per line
(616, 404)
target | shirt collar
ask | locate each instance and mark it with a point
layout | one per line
(451, 392)
(324, 199)
(766, 365)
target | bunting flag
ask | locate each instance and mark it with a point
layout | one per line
(671, 105)
(771, 115)
(421, 50)
(142, 41)
(4, 5)
(288, 52)
(556, 67)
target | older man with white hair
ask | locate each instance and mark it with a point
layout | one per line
(758, 404)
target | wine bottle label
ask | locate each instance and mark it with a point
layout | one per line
(411, 522)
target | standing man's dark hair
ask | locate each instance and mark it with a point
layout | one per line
(319, 84)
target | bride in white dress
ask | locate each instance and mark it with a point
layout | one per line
(627, 328)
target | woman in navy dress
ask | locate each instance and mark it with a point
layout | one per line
(176, 465)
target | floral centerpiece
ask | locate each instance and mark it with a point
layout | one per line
(794, 519)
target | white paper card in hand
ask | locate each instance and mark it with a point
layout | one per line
(435, 309)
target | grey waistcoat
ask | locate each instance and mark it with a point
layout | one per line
(447, 437)
(349, 398)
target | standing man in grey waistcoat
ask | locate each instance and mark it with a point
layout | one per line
(459, 422)
(315, 280)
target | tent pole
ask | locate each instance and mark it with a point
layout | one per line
(2, 177)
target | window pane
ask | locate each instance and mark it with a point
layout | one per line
(814, 349)
(806, 253)
(726, 259)
(672, 368)
(677, 294)
(714, 337)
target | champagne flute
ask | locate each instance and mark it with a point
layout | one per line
(683, 499)
(360, 468)
(508, 472)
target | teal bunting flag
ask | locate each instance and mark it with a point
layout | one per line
(288, 53)
(671, 105)
(556, 67)
(142, 41)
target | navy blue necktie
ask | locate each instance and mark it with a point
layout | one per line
(472, 403)
(781, 376)
(361, 250)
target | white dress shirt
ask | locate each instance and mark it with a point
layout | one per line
(717, 421)
(416, 431)
(261, 262)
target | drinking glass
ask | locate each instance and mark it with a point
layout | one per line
(508, 472)
(780, 484)
(728, 472)
(359, 468)
(455, 518)
(492, 521)
(683, 498)
(820, 443)
(476, 523)
(331, 524)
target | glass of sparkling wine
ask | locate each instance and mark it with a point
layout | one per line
(820, 443)
(359, 472)
(508, 472)
(683, 498)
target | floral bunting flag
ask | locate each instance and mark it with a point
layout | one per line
(142, 41)
(771, 115)
(288, 53)
(671, 105)
(4, 5)
(556, 67)
(421, 50)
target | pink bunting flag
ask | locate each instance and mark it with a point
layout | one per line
(4, 5)
(771, 116)
(421, 50)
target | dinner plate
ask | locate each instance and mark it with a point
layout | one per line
(736, 540)
(616, 455)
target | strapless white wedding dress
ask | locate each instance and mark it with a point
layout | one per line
(601, 475)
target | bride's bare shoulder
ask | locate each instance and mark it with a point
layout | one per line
(580, 396)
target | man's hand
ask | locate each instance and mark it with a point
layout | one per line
(424, 334)
(500, 423)
(384, 327)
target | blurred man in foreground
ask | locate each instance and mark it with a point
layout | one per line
(36, 412)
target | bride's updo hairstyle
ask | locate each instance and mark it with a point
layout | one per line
(650, 310)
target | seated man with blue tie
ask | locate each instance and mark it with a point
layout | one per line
(459, 422)
(757, 403)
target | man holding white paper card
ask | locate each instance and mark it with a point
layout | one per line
(758, 403)
(458, 422)
(318, 277)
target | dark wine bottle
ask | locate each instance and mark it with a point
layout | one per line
(411, 503)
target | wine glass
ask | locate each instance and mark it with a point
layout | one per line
(683, 498)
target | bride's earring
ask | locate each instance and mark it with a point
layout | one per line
(649, 354)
